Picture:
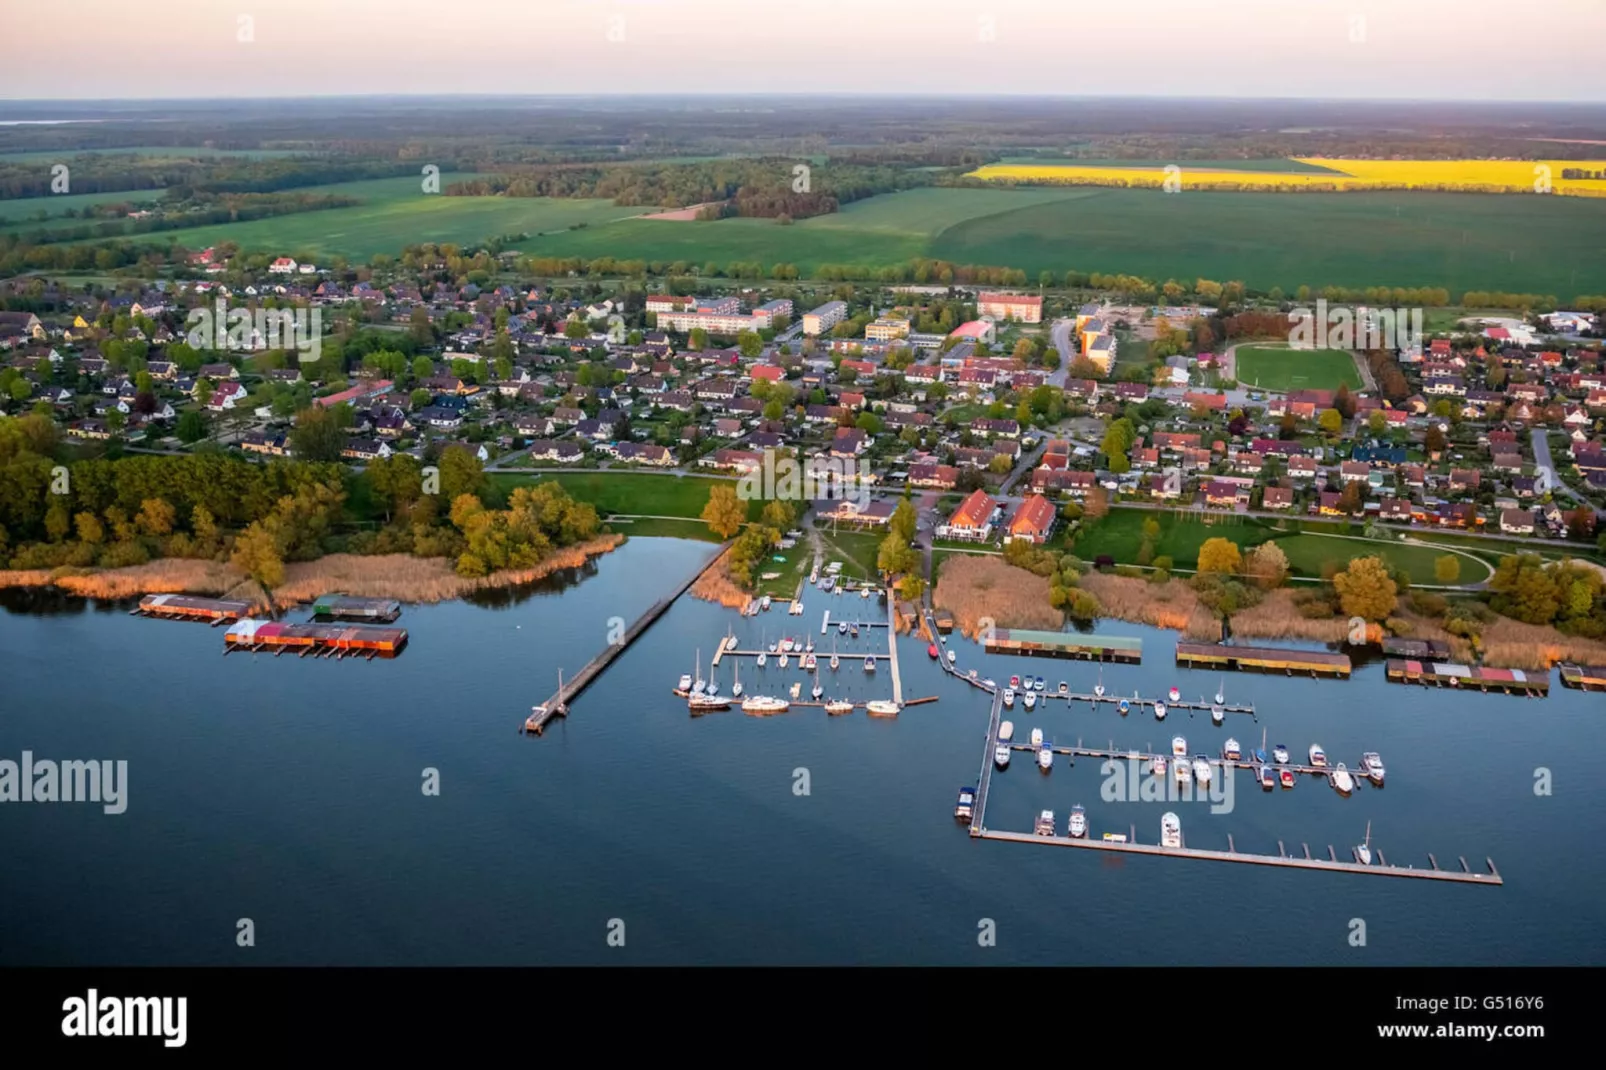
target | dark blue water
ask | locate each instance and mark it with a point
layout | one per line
(288, 792)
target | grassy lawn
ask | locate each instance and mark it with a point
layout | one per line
(640, 493)
(855, 549)
(1273, 367)
(963, 414)
(1307, 554)
(1120, 534)
(791, 569)
(668, 529)
(1492, 550)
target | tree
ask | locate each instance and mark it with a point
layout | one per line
(396, 481)
(725, 513)
(1366, 589)
(156, 516)
(318, 435)
(1331, 421)
(1267, 565)
(697, 340)
(1220, 555)
(750, 344)
(895, 555)
(903, 522)
(461, 473)
(1343, 401)
(420, 398)
(1447, 569)
(191, 426)
(1098, 504)
(256, 553)
(1525, 589)
(89, 528)
(1434, 441)
(1151, 528)
(1376, 422)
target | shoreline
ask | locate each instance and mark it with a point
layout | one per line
(418, 580)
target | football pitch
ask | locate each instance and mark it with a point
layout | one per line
(1281, 368)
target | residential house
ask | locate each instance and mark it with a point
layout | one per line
(1033, 520)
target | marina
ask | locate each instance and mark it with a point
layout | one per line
(1467, 677)
(366, 641)
(346, 607)
(214, 611)
(1584, 677)
(1262, 659)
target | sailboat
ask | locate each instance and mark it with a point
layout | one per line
(1260, 755)
(836, 662)
(1364, 851)
(1098, 688)
(697, 670)
(762, 657)
(705, 697)
(818, 690)
(1221, 691)
(736, 687)
(537, 718)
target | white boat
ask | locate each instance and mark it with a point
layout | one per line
(1065, 688)
(1182, 770)
(736, 686)
(966, 805)
(1279, 754)
(818, 690)
(1159, 711)
(1045, 759)
(836, 662)
(838, 706)
(1372, 766)
(1179, 747)
(869, 663)
(1037, 737)
(765, 704)
(809, 662)
(1201, 770)
(864, 592)
(784, 645)
(1170, 830)
(1230, 751)
(762, 656)
(704, 703)
(882, 707)
(1009, 698)
(784, 661)
(1218, 713)
(1343, 782)
(842, 627)
(764, 603)
(797, 689)
(1006, 731)
(1001, 756)
(1031, 699)
(1157, 765)
(1221, 692)
(685, 682)
(1077, 826)
(1098, 688)
(1318, 757)
(1175, 696)
(730, 642)
(951, 657)
(1363, 851)
(697, 667)
(808, 647)
(1045, 823)
(713, 686)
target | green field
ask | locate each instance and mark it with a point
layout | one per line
(855, 549)
(19, 214)
(1307, 554)
(1272, 367)
(636, 493)
(162, 152)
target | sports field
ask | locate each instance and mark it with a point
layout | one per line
(1275, 367)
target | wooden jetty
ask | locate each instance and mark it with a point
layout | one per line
(978, 811)
(1584, 677)
(347, 607)
(319, 640)
(214, 611)
(1143, 758)
(558, 704)
(1262, 659)
(1330, 864)
(892, 648)
(1114, 648)
(1467, 677)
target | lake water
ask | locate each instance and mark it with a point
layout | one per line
(288, 792)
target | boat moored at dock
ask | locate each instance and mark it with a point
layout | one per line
(882, 708)
(1077, 826)
(1318, 757)
(1372, 767)
(1045, 823)
(1201, 770)
(1170, 830)
(1230, 751)
(838, 706)
(1001, 756)
(1343, 782)
(1045, 758)
(1006, 731)
(966, 804)
(764, 704)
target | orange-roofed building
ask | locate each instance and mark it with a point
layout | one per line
(973, 519)
(1033, 520)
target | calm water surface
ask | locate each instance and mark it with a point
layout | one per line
(288, 791)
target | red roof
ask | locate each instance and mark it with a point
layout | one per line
(1034, 517)
(973, 511)
(772, 372)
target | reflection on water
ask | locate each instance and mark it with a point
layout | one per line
(554, 583)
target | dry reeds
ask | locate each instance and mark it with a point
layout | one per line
(977, 587)
(715, 584)
(1278, 617)
(171, 575)
(1511, 644)
(1172, 604)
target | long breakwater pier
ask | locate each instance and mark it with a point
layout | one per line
(568, 690)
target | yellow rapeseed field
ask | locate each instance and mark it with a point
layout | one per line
(1462, 176)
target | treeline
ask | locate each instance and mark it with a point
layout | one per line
(116, 173)
(203, 209)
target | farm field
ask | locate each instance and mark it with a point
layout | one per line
(1457, 241)
(396, 213)
(20, 214)
(1280, 368)
(1480, 176)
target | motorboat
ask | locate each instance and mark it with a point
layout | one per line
(1318, 757)
(1125, 707)
(836, 662)
(1037, 737)
(1268, 778)
(1006, 731)
(864, 592)
(1098, 688)
(685, 683)
(853, 631)
(1064, 688)
(1157, 765)
(1179, 747)
(705, 703)
(1221, 692)
(1045, 823)
(1230, 751)
(785, 644)
(1039, 683)
(1170, 830)
(1045, 759)
(764, 603)
(1372, 767)
(1031, 699)
(1009, 698)
(869, 663)
(1001, 756)
(882, 707)
(951, 657)
(842, 627)
(1077, 826)
(966, 805)
(809, 662)
(1286, 777)
(1182, 771)
(765, 704)
(784, 661)
(1159, 711)
(1363, 851)
(1343, 780)
(1201, 770)
(1175, 696)
(1014, 681)
(1279, 753)
(1218, 713)
(838, 706)
(931, 651)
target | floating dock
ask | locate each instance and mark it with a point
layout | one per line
(187, 607)
(1467, 677)
(319, 640)
(1584, 677)
(1262, 659)
(347, 607)
(1116, 648)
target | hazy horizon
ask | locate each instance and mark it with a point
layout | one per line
(1337, 50)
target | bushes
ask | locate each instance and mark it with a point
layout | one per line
(1224, 596)
(1467, 619)
(1083, 606)
(1428, 604)
(1314, 603)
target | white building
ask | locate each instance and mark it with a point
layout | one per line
(822, 319)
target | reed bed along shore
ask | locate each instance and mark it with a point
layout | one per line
(1172, 604)
(978, 587)
(398, 576)
(715, 585)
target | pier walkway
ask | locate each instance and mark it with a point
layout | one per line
(892, 646)
(985, 778)
(569, 690)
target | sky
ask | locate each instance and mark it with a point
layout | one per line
(1335, 49)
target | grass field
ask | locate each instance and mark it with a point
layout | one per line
(632, 492)
(855, 549)
(19, 214)
(1280, 368)
(1307, 554)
